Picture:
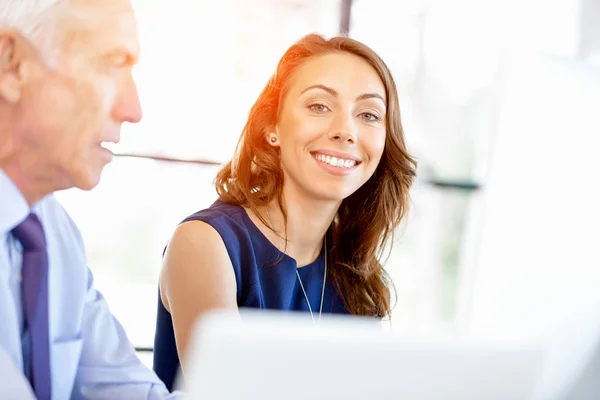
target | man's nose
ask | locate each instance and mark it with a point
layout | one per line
(128, 107)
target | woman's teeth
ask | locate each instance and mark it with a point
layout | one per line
(334, 161)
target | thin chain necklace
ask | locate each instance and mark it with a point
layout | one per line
(322, 290)
(302, 285)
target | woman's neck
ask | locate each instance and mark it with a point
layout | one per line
(307, 224)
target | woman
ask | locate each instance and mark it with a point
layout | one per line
(317, 186)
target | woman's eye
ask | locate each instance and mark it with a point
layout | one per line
(318, 107)
(370, 117)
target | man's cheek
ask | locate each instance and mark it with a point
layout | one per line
(106, 89)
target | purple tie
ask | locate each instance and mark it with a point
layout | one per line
(35, 300)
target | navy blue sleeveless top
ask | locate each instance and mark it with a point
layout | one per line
(261, 283)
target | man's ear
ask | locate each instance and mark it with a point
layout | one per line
(16, 55)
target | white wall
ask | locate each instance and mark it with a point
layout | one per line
(538, 264)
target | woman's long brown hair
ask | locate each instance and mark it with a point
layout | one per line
(367, 219)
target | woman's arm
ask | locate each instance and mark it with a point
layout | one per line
(197, 276)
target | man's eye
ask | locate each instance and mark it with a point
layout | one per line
(119, 61)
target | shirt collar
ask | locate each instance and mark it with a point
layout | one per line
(14, 208)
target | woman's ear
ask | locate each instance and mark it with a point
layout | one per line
(272, 137)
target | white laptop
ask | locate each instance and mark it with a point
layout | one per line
(276, 355)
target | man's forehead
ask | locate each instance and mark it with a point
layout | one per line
(98, 5)
(103, 22)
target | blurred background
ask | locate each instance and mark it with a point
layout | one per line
(500, 103)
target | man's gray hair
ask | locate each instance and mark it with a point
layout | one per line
(33, 19)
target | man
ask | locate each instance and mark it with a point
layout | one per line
(65, 89)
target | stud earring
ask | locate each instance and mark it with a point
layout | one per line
(273, 139)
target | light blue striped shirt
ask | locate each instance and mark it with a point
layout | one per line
(91, 357)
